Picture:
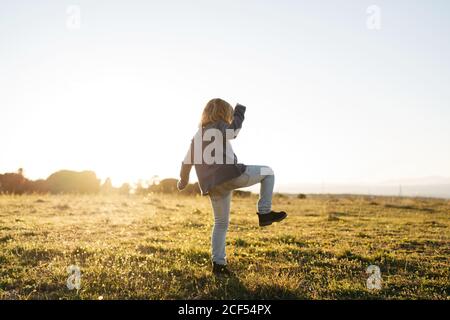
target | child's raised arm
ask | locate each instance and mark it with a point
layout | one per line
(236, 124)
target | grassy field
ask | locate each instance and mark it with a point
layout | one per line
(157, 247)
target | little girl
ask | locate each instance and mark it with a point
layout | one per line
(219, 173)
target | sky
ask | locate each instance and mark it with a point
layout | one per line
(118, 87)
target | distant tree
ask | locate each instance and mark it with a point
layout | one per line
(168, 185)
(66, 181)
(38, 186)
(125, 189)
(141, 188)
(191, 189)
(242, 193)
(107, 187)
(13, 183)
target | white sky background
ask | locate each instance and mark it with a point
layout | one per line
(327, 99)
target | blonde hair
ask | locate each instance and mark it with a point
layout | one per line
(215, 110)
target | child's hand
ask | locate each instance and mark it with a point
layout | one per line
(181, 184)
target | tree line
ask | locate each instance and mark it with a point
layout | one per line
(83, 182)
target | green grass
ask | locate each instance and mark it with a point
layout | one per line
(157, 247)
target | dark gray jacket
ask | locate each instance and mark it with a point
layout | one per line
(211, 175)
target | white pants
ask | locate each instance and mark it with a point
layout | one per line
(221, 201)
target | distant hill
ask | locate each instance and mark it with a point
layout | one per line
(434, 187)
(428, 181)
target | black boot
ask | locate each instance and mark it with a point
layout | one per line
(221, 270)
(271, 217)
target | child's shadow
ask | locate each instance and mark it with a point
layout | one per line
(229, 287)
